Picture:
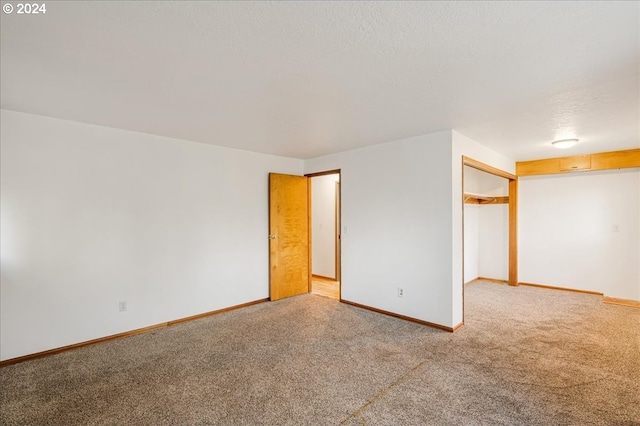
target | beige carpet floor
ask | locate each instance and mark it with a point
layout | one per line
(527, 356)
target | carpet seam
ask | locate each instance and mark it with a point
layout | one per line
(384, 391)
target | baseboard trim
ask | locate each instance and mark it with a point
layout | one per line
(322, 277)
(403, 317)
(552, 287)
(493, 280)
(622, 302)
(124, 334)
(80, 345)
(605, 299)
(216, 312)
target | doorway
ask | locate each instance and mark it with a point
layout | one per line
(512, 201)
(509, 203)
(291, 237)
(325, 234)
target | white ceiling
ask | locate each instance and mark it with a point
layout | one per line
(305, 79)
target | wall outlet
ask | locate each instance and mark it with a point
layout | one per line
(400, 292)
(122, 306)
(615, 228)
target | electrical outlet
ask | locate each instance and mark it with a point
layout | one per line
(615, 228)
(400, 292)
(122, 306)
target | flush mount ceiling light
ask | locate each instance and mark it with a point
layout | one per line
(564, 143)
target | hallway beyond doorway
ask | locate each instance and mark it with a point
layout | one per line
(325, 287)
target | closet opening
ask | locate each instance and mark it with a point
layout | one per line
(489, 224)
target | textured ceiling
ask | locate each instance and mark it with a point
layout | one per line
(304, 79)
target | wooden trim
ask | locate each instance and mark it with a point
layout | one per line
(80, 345)
(309, 237)
(125, 334)
(484, 199)
(328, 172)
(336, 230)
(403, 317)
(470, 200)
(600, 161)
(493, 280)
(622, 302)
(457, 327)
(466, 161)
(513, 232)
(496, 200)
(322, 278)
(216, 312)
(552, 287)
(462, 242)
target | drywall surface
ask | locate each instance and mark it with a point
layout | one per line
(92, 216)
(323, 225)
(402, 223)
(581, 231)
(493, 236)
(396, 225)
(471, 242)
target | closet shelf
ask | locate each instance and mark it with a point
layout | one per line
(471, 198)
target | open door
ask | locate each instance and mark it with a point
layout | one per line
(289, 249)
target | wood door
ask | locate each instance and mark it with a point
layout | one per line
(289, 248)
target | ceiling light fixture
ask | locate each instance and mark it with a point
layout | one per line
(564, 143)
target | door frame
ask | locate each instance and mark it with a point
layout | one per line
(338, 233)
(513, 214)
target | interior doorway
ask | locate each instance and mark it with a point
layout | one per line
(291, 237)
(511, 206)
(325, 233)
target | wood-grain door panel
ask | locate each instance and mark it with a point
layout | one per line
(289, 261)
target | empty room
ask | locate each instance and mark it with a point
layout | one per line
(320, 212)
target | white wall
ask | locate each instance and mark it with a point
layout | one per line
(566, 231)
(323, 223)
(493, 241)
(402, 223)
(93, 215)
(396, 225)
(471, 242)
